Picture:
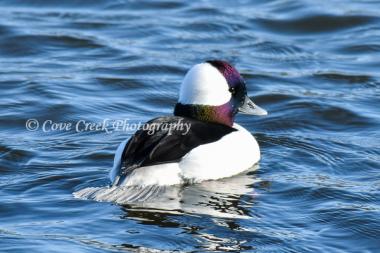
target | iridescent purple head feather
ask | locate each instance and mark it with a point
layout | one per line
(232, 76)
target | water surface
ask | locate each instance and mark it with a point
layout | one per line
(313, 65)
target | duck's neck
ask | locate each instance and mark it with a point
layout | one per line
(222, 114)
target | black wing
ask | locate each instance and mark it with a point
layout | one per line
(166, 144)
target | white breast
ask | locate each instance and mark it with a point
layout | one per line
(231, 155)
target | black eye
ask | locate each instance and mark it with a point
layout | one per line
(232, 90)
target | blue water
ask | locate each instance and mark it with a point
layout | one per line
(314, 65)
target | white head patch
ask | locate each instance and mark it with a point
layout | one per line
(204, 85)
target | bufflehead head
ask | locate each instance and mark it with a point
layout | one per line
(214, 91)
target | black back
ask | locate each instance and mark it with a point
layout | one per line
(163, 146)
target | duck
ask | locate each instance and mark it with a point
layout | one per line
(200, 141)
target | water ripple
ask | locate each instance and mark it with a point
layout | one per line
(316, 24)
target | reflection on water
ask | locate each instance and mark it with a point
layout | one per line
(186, 208)
(217, 198)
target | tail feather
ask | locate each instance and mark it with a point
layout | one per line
(121, 195)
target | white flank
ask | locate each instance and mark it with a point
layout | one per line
(231, 155)
(161, 174)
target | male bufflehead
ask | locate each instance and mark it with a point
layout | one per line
(214, 147)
